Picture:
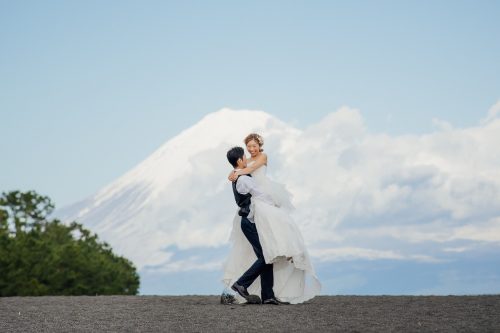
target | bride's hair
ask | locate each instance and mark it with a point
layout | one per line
(257, 138)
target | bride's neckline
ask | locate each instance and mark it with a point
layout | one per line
(253, 161)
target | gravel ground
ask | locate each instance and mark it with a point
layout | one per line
(206, 314)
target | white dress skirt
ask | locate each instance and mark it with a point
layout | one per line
(294, 279)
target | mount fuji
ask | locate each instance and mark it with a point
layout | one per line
(380, 214)
(172, 212)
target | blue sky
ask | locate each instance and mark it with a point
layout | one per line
(89, 88)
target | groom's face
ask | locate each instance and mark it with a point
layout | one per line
(242, 162)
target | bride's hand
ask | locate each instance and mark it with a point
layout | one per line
(232, 176)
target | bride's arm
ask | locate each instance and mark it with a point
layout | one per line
(260, 161)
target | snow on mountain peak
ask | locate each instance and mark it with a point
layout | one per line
(177, 189)
(171, 159)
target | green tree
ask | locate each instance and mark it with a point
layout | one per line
(39, 256)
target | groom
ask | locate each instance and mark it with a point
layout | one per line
(244, 188)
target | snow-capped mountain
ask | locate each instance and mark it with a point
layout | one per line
(179, 196)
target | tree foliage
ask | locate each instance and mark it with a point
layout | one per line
(39, 256)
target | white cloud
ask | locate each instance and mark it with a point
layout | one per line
(493, 112)
(488, 231)
(376, 180)
(354, 253)
(455, 249)
(190, 264)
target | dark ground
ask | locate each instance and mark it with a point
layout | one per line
(206, 314)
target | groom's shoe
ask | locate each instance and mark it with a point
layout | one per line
(240, 290)
(274, 301)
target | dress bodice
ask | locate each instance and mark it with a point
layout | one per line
(260, 174)
(278, 192)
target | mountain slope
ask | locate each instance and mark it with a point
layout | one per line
(179, 196)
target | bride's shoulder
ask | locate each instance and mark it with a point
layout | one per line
(261, 160)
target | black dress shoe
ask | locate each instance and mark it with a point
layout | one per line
(275, 301)
(240, 290)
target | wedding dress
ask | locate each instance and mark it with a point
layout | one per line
(282, 244)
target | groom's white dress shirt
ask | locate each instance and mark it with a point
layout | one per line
(245, 185)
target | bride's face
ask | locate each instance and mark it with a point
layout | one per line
(253, 148)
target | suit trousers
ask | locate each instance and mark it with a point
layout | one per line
(259, 267)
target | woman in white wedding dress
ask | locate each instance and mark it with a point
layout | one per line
(282, 244)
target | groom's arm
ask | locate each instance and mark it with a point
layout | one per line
(246, 185)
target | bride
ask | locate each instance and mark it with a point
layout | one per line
(282, 244)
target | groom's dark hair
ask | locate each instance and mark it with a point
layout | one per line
(234, 154)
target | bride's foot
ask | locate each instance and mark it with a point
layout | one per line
(289, 259)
